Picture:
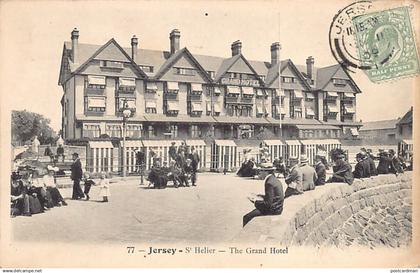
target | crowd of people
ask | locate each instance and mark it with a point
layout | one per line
(301, 177)
(35, 191)
(181, 170)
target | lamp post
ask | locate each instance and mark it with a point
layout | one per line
(126, 114)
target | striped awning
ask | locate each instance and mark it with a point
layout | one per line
(292, 142)
(173, 86)
(249, 91)
(217, 90)
(173, 106)
(310, 112)
(195, 142)
(298, 94)
(224, 142)
(197, 87)
(349, 95)
(332, 94)
(96, 102)
(151, 86)
(217, 108)
(354, 132)
(233, 90)
(150, 104)
(407, 141)
(309, 95)
(260, 109)
(96, 80)
(196, 107)
(332, 109)
(273, 142)
(100, 144)
(127, 82)
(349, 109)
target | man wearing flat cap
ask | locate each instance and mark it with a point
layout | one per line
(76, 176)
(362, 168)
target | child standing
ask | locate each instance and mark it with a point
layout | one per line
(88, 183)
(104, 187)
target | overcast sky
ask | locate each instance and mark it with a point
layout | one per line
(32, 36)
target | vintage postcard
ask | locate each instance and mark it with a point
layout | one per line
(209, 134)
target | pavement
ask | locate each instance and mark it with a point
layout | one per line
(209, 213)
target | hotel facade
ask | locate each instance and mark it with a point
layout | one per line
(218, 104)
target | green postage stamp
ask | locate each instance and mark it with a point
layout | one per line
(386, 44)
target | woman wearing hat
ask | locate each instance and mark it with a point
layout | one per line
(50, 185)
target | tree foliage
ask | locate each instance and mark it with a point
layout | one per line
(26, 125)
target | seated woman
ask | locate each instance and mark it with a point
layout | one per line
(38, 190)
(174, 173)
(157, 176)
(51, 187)
(248, 169)
(272, 202)
(18, 197)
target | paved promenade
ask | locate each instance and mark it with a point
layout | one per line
(209, 213)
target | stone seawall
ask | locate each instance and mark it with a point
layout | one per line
(371, 212)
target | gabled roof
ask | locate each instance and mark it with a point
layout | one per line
(112, 41)
(228, 63)
(379, 125)
(175, 57)
(324, 75)
(407, 118)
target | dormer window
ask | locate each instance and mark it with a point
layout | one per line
(341, 82)
(262, 78)
(111, 64)
(288, 79)
(247, 92)
(185, 71)
(146, 68)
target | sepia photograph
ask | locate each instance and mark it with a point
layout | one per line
(209, 133)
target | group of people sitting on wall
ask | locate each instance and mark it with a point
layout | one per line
(182, 169)
(303, 177)
(34, 191)
(55, 157)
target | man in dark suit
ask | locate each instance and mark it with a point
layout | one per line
(195, 160)
(320, 170)
(342, 171)
(272, 202)
(384, 163)
(76, 176)
(362, 168)
(395, 166)
(370, 160)
(172, 151)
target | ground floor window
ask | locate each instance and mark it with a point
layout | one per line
(195, 131)
(134, 131)
(113, 130)
(91, 130)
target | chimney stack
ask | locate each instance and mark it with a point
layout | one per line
(75, 44)
(275, 53)
(310, 66)
(174, 37)
(134, 43)
(236, 48)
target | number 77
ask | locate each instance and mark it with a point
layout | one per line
(130, 249)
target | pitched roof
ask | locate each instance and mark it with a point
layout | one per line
(160, 59)
(407, 118)
(379, 125)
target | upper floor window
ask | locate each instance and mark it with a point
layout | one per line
(288, 79)
(91, 130)
(151, 107)
(185, 71)
(134, 131)
(146, 68)
(95, 104)
(113, 130)
(95, 82)
(111, 64)
(233, 75)
(123, 103)
(127, 84)
(339, 81)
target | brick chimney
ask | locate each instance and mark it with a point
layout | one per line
(236, 48)
(310, 66)
(134, 43)
(174, 37)
(275, 53)
(75, 44)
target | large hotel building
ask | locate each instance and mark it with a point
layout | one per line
(218, 104)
